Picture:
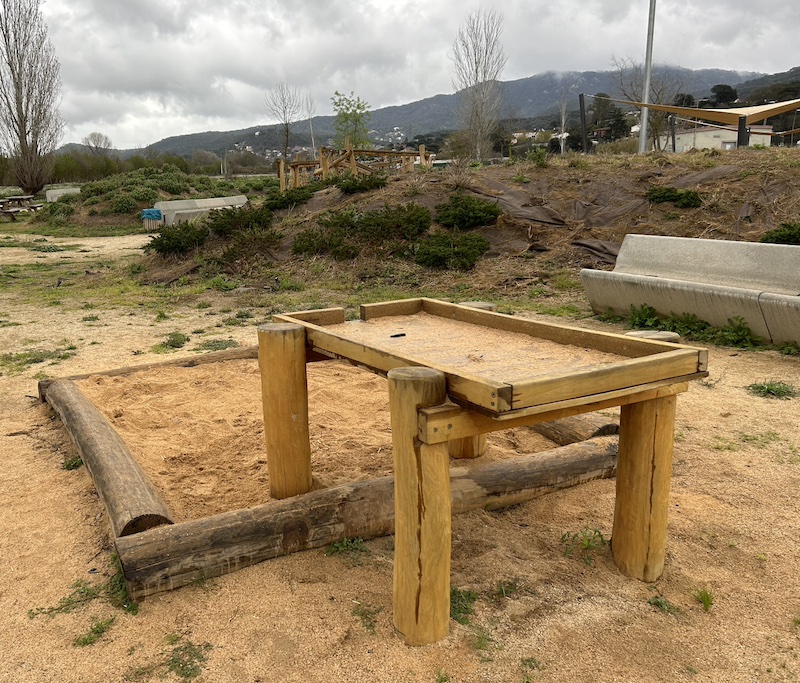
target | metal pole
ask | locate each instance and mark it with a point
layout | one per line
(584, 131)
(648, 67)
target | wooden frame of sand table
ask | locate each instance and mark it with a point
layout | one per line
(456, 373)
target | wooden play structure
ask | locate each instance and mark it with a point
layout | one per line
(455, 373)
(349, 160)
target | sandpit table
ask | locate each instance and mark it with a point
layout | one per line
(455, 374)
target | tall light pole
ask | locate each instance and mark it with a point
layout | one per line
(648, 67)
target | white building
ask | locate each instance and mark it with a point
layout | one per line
(714, 137)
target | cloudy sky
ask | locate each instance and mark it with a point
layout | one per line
(142, 70)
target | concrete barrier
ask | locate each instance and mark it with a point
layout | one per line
(182, 210)
(713, 279)
(54, 195)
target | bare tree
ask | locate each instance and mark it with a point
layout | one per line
(665, 85)
(98, 144)
(284, 102)
(478, 59)
(564, 112)
(30, 93)
(309, 106)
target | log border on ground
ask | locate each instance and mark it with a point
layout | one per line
(168, 557)
(132, 502)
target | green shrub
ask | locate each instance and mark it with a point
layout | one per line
(395, 222)
(352, 184)
(178, 239)
(54, 211)
(251, 243)
(464, 211)
(450, 250)
(143, 193)
(735, 333)
(332, 241)
(683, 199)
(123, 203)
(292, 197)
(226, 222)
(98, 188)
(538, 157)
(787, 233)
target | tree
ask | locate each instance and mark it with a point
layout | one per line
(722, 95)
(283, 102)
(309, 106)
(350, 120)
(30, 93)
(478, 60)
(98, 144)
(605, 115)
(665, 84)
(683, 99)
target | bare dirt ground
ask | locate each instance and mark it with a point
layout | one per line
(733, 530)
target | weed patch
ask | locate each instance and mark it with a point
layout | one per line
(660, 603)
(772, 389)
(185, 660)
(368, 616)
(736, 333)
(173, 342)
(683, 199)
(351, 550)
(15, 363)
(586, 542)
(461, 604)
(705, 598)
(216, 345)
(96, 631)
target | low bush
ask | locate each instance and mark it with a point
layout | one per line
(352, 184)
(226, 222)
(178, 239)
(450, 250)
(464, 211)
(123, 203)
(277, 200)
(787, 233)
(54, 211)
(735, 333)
(683, 199)
(143, 193)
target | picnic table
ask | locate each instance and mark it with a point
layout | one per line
(10, 206)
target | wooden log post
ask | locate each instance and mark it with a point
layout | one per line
(168, 557)
(284, 392)
(421, 595)
(576, 428)
(644, 469)
(324, 163)
(132, 502)
(423, 162)
(470, 446)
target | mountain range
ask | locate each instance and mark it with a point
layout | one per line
(535, 99)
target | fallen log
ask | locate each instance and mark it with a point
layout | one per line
(133, 504)
(567, 430)
(171, 556)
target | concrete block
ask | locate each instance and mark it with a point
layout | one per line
(746, 265)
(782, 315)
(54, 195)
(658, 335)
(713, 303)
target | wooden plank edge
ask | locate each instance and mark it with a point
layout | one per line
(386, 308)
(446, 422)
(609, 342)
(244, 353)
(322, 316)
(165, 558)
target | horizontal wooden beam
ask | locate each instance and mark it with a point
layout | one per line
(168, 557)
(447, 422)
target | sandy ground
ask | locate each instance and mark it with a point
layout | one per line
(734, 518)
(81, 249)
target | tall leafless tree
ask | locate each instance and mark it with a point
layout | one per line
(664, 87)
(98, 143)
(284, 103)
(478, 59)
(30, 93)
(309, 107)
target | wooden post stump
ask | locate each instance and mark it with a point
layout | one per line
(422, 502)
(284, 391)
(644, 468)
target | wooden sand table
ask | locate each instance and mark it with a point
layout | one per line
(497, 371)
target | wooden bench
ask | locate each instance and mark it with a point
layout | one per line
(10, 211)
(715, 280)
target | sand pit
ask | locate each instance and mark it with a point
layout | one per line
(198, 432)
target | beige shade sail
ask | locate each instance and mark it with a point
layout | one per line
(727, 116)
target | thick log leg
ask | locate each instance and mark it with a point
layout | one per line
(422, 511)
(284, 391)
(644, 469)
